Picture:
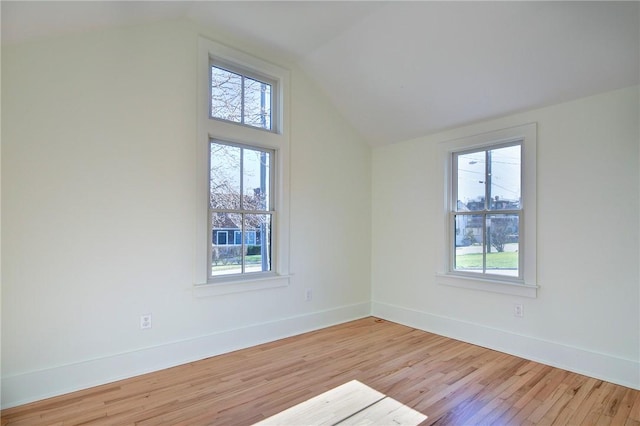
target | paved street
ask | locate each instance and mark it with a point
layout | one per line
(478, 249)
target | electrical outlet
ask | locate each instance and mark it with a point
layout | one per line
(308, 295)
(145, 321)
(518, 310)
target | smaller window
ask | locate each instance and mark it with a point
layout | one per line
(487, 213)
(489, 235)
(239, 97)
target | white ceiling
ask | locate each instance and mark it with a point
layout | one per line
(399, 70)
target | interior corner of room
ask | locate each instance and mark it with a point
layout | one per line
(100, 201)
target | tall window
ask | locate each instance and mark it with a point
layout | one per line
(242, 172)
(486, 216)
(240, 204)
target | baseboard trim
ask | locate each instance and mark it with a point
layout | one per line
(37, 385)
(606, 367)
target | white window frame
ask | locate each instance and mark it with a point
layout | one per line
(242, 211)
(485, 212)
(526, 285)
(276, 139)
(245, 72)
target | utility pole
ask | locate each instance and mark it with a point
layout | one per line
(264, 253)
(489, 198)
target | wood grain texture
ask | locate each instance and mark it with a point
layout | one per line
(387, 411)
(352, 403)
(329, 408)
(452, 382)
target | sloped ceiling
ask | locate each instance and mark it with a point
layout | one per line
(399, 70)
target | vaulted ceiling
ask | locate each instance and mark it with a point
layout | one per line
(398, 70)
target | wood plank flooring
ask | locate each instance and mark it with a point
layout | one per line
(453, 383)
(352, 403)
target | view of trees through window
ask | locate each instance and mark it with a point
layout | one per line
(240, 99)
(240, 208)
(488, 210)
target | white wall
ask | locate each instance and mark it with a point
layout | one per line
(98, 215)
(585, 317)
(98, 199)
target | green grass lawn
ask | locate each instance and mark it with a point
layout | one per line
(504, 260)
(235, 263)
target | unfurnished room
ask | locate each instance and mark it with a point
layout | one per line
(320, 213)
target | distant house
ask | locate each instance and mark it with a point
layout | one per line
(226, 239)
(227, 226)
(233, 237)
(226, 232)
(469, 227)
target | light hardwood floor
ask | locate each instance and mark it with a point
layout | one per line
(453, 383)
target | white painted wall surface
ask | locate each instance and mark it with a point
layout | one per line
(98, 215)
(585, 317)
(98, 198)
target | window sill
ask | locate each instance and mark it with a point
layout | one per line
(243, 285)
(484, 284)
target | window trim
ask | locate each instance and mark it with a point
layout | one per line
(278, 141)
(446, 275)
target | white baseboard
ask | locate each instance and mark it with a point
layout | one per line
(33, 386)
(612, 369)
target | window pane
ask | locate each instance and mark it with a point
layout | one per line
(257, 103)
(224, 178)
(258, 231)
(505, 178)
(469, 243)
(250, 238)
(256, 180)
(503, 244)
(226, 258)
(220, 237)
(226, 95)
(471, 181)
